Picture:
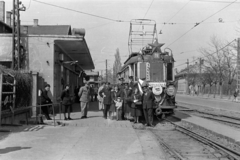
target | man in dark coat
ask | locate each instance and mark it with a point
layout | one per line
(131, 83)
(148, 99)
(105, 93)
(45, 100)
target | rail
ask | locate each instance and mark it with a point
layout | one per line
(231, 153)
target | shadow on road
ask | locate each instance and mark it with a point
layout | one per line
(12, 149)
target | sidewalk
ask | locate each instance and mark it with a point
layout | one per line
(93, 138)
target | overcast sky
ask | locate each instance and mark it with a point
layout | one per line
(105, 36)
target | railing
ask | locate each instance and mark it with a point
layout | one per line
(40, 112)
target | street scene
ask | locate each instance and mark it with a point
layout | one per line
(119, 80)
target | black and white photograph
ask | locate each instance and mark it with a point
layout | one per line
(119, 79)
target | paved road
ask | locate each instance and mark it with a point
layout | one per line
(81, 139)
(208, 102)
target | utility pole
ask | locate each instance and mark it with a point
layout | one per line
(238, 65)
(106, 72)
(187, 78)
(16, 46)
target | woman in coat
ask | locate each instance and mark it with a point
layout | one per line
(126, 94)
(67, 102)
(136, 106)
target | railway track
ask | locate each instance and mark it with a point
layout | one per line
(232, 121)
(180, 143)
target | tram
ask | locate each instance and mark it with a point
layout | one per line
(151, 64)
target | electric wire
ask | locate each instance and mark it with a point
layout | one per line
(89, 14)
(29, 5)
(197, 24)
(212, 1)
(208, 54)
(175, 14)
(148, 9)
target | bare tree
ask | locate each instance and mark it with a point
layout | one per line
(215, 59)
(116, 66)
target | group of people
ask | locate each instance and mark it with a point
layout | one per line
(126, 101)
(123, 101)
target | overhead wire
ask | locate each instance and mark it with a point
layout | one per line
(197, 24)
(148, 9)
(212, 1)
(89, 14)
(209, 54)
(29, 4)
(176, 13)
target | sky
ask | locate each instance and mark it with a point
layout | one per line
(104, 35)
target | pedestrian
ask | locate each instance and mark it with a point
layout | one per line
(127, 102)
(45, 100)
(100, 99)
(105, 93)
(115, 94)
(136, 106)
(235, 94)
(147, 100)
(95, 92)
(67, 102)
(84, 94)
(131, 83)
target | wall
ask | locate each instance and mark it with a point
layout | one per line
(6, 47)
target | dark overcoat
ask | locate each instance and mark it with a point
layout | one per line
(148, 99)
(107, 99)
(44, 97)
(65, 96)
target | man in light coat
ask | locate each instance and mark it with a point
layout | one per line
(84, 94)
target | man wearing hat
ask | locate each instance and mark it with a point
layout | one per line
(45, 100)
(105, 93)
(148, 99)
(131, 83)
(84, 94)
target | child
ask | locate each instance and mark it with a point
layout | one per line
(118, 104)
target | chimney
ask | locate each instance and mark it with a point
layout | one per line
(2, 11)
(9, 18)
(35, 22)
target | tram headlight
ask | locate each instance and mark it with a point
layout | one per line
(171, 90)
(157, 90)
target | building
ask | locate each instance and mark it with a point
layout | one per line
(54, 52)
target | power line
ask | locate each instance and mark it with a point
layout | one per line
(148, 9)
(212, 1)
(89, 14)
(201, 22)
(209, 54)
(188, 23)
(29, 5)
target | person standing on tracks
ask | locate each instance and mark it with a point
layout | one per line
(45, 100)
(100, 99)
(105, 93)
(67, 102)
(147, 100)
(84, 94)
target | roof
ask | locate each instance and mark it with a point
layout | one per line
(6, 26)
(78, 50)
(47, 29)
